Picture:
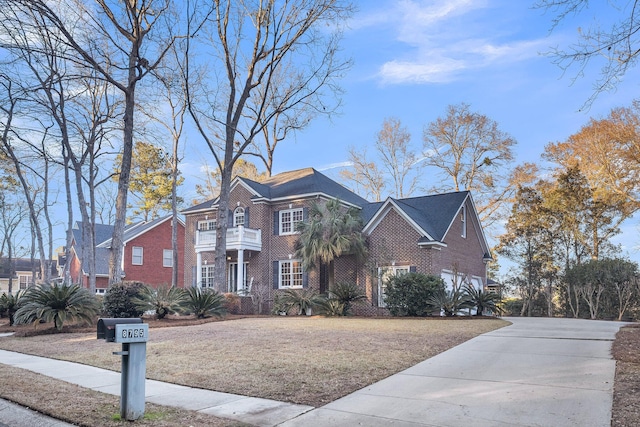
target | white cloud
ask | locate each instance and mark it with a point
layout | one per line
(443, 39)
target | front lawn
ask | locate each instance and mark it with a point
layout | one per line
(305, 360)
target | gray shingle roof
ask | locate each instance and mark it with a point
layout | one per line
(302, 182)
(434, 213)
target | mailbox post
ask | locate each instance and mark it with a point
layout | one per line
(133, 335)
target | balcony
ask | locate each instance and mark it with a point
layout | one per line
(238, 238)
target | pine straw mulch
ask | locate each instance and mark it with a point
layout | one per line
(626, 392)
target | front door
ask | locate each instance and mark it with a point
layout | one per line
(232, 277)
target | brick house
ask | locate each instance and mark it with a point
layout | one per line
(147, 255)
(438, 234)
(21, 272)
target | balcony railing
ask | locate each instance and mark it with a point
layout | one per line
(237, 238)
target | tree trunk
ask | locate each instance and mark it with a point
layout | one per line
(117, 240)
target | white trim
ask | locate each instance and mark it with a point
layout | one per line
(292, 274)
(134, 256)
(170, 259)
(291, 222)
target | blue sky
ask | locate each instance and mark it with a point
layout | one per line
(413, 58)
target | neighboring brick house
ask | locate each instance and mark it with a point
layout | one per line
(147, 255)
(438, 234)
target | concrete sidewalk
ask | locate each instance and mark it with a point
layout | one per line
(536, 372)
(252, 410)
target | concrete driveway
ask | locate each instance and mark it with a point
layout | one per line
(536, 372)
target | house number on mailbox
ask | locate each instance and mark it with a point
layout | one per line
(132, 333)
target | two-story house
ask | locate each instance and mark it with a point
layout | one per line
(438, 234)
(147, 255)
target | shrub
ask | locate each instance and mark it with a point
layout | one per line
(330, 307)
(410, 294)
(204, 303)
(346, 293)
(9, 304)
(300, 301)
(451, 302)
(164, 300)
(118, 300)
(57, 304)
(483, 300)
(232, 303)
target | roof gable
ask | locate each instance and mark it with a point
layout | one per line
(431, 216)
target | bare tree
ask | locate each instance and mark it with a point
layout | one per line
(364, 175)
(77, 102)
(616, 48)
(402, 163)
(279, 123)
(115, 40)
(247, 43)
(470, 152)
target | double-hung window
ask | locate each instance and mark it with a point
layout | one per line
(289, 219)
(136, 255)
(206, 225)
(290, 274)
(25, 281)
(167, 258)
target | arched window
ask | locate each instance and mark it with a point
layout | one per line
(238, 216)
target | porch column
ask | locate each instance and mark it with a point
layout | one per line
(240, 275)
(199, 269)
(240, 272)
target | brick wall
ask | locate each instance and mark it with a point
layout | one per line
(463, 255)
(153, 242)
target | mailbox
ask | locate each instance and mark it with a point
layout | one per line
(107, 327)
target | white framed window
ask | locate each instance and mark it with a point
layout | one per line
(207, 276)
(238, 216)
(463, 219)
(206, 225)
(289, 219)
(25, 281)
(290, 274)
(136, 255)
(384, 274)
(167, 258)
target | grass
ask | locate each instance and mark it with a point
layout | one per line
(306, 360)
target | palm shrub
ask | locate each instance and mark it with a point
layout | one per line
(346, 293)
(57, 304)
(451, 302)
(410, 294)
(204, 302)
(330, 307)
(9, 304)
(300, 301)
(164, 300)
(483, 300)
(118, 300)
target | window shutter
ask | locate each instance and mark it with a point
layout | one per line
(276, 274)
(276, 224)
(305, 214)
(246, 216)
(412, 269)
(305, 279)
(229, 218)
